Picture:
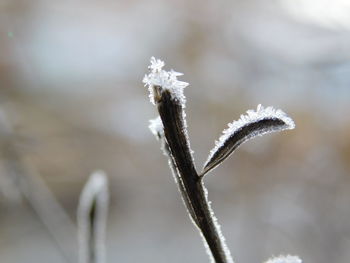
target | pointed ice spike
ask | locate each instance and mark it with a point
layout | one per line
(285, 259)
(254, 123)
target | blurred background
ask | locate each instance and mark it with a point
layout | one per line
(72, 101)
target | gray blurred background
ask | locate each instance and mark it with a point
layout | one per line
(72, 101)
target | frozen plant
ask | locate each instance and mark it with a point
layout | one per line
(166, 92)
(92, 218)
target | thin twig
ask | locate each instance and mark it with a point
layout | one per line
(92, 219)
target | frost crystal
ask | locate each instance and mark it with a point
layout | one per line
(166, 80)
(156, 127)
(285, 259)
(254, 116)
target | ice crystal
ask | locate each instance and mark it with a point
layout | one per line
(260, 114)
(165, 80)
(234, 130)
(285, 259)
(156, 127)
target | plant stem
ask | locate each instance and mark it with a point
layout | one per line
(172, 115)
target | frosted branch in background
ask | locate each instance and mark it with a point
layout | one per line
(21, 179)
(92, 219)
(285, 259)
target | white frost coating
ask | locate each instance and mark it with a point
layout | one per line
(156, 127)
(218, 228)
(96, 193)
(165, 80)
(186, 132)
(285, 259)
(95, 185)
(251, 117)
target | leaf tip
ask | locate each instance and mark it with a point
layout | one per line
(253, 123)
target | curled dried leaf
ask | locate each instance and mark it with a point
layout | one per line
(254, 123)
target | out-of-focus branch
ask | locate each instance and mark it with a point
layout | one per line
(33, 188)
(92, 219)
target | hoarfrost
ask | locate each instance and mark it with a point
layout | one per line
(159, 80)
(218, 228)
(285, 259)
(156, 127)
(165, 80)
(254, 116)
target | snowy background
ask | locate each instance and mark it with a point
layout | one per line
(70, 87)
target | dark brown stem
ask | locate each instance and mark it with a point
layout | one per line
(172, 115)
(179, 182)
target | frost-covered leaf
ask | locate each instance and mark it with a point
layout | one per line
(163, 80)
(285, 259)
(254, 123)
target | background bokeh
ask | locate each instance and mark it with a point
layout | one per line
(72, 101)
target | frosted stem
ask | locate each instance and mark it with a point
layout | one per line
(166, 92)
(172, 115)
(92, 217)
